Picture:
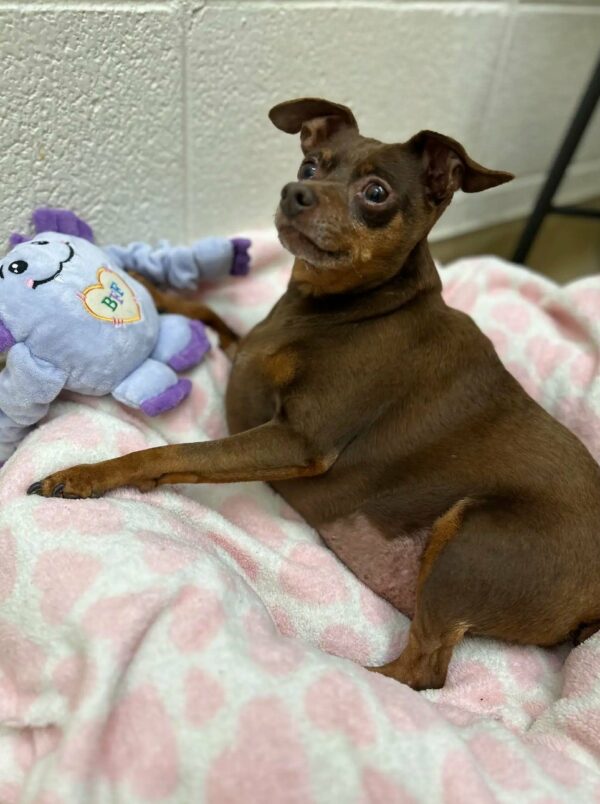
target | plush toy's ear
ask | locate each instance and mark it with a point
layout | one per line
(448, 167)
(315, 118)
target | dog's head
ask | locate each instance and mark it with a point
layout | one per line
(359, 206)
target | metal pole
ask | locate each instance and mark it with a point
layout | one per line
(570, 142)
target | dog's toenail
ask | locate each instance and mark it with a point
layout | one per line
(35, 488)
(57, 491)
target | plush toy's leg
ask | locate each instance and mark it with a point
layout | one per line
(153, 387)
(11, 434)
(182, 343)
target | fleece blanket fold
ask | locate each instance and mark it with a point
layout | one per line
(200, 644)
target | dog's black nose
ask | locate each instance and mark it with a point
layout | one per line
(297, 197)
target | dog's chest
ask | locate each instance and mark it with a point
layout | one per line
(251, 394)
(390, 567)
(265, 365)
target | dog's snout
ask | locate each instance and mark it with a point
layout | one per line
(297, 197)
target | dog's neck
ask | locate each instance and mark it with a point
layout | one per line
(416, 277)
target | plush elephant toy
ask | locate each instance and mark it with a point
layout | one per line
(72, 318)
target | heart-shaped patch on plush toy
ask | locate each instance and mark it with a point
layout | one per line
(111, 299)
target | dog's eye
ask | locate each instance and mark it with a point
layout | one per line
(17, 267)
(39, 242)
(375, 193)
(307, 170)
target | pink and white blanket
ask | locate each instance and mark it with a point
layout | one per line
(201, 644)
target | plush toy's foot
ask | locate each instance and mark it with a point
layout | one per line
(153, 388)
(193, 353)
(182, 343)
(168, 399)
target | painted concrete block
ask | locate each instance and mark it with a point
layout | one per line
(92, 116)
(401, 68)
(149, 117)
(548, 61)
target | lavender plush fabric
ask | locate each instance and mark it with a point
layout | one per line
(71, 318)
(183, 267)
(176, 266)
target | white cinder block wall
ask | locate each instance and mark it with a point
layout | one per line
(149, 118)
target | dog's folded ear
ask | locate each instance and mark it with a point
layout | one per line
(316, 119)
(448, 167)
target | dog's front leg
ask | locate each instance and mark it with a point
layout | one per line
(271, 452)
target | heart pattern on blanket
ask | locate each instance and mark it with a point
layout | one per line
(111, 299)
(189, 644)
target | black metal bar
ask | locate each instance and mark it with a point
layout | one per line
(576, 212)
(578, 124)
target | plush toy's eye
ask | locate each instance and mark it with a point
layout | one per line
(17, 267)
(39, 242)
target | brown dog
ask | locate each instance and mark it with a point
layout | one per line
(386, 418)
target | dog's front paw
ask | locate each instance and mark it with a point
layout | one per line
(78, 482)
(87, 480)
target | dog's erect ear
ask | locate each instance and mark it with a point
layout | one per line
(316, 119)
(448, 167)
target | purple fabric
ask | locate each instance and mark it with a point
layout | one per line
(6, 338)
(15, 238)
(47, 219)
(241, 259)
(193, 353)
(168, 399)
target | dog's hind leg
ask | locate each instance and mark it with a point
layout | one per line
(480, 574)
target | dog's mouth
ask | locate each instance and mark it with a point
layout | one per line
(303, 246)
